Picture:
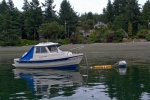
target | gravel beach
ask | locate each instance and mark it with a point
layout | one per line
(96, 53)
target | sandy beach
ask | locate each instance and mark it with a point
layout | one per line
(98, 53)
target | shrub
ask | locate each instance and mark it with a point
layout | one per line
(80, 39)
(119, 35)
(93, 37)
(73, 38)
(11, 40)
(27, 42)
(142, 33)
(148, 37)
(66, 41)
(110, 37)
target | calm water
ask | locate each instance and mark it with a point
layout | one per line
(131, 83)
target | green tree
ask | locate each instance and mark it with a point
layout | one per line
(109, 11)
(3, 7)
(133, 15)
(26, 5)
(9, 25)
(11, 4)
(23, 19)
(83, 17)
(119, 7)
(32, 20)
(49, 12)
(119, 35)
(90, 15)
(142, 33)
(90, 23)
(68, 15)
(121, 22)
(146, 14)
(51, 30)
(85, 27)
(130, 29)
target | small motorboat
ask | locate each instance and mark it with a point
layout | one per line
(48, 55)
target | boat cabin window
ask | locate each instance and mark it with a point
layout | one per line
(52, 48)
(41, 49)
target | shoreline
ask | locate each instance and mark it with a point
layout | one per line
(96, 53)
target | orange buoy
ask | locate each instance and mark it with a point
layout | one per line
(102, 67)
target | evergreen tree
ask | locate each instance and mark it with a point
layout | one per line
(9, 26)
(3, 7)
(83, 17)
(32, 20)
(49, 11)
(26, 5)
(119, 7)
(90, 15)
(11, 4)
(88, 20)
(130, 29)
(68, 15)
(109, 12)
(121, 22)
(103, 16)
(23, 19)
(146, 14)
(133, 14)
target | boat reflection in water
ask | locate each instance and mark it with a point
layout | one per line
(47, 82)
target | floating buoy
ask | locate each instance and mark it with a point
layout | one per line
(102, 67)
(122, 63)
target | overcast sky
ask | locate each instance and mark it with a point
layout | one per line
(80, 6)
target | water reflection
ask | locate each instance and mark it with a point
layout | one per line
(129, 83)
(50, 83)
(122, 70)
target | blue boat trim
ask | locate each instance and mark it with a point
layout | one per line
(68, 67)
(46, 61)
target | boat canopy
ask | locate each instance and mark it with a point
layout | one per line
(28, 55)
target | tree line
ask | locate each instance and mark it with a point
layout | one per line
(39, 19)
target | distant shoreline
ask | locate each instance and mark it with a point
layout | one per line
(138, 45)
(96, 52)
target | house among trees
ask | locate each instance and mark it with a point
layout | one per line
(100, 25)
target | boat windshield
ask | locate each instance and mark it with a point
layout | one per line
(41, 49)
(52, 48)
